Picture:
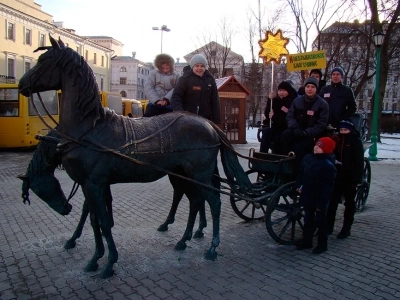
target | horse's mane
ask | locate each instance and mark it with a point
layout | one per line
(77, 69)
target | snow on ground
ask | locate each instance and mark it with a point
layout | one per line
(388, 149)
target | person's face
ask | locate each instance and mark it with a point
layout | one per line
(316, 76)
(165, 68)
(199, 69)
(310, 90)
(344, 131)
(318, 150)
(282, 93)
(336, 77)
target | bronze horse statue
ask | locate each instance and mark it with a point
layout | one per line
(100, 148)
(39, 178)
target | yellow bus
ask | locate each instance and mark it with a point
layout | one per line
(133, 107)
(19, 122)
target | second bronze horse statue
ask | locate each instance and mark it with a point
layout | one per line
(100, 148)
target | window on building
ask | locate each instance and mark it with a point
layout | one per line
(386, 93)
(213, 53)
(214, 72)
(27, 36)
(95, 58)
(122, 80)
(142, 82)
(10, 31)
(86, 55)
(27, 66)
(386, 106)
(360, 104)
(369, 92)
(229, 72)
(11, 67)
(101, 84)
(142, 71)
(42, 40)
(102, 60)
(394, 94)
(122, 69)
(123, 93)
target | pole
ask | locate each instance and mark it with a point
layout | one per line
(161, 39)
(373, 150)
(272, 89)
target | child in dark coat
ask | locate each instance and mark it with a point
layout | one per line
(315, 183)
(277, 114)
(350, 153)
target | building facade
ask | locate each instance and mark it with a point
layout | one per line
(24, 27)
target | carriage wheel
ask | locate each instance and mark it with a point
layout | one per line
(248, 210)
(285, 217)
(363, 188)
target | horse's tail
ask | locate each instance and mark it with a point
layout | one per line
(237, 178)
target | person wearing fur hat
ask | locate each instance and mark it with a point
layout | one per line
(350, 153)
(306, 119)
(277, 116)
(197, 92)
(340, 97)
(315, 183)
(317, 74)
(160, 85)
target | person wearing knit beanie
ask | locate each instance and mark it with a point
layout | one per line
(326, 144)
(198, 59)
(311, 80)
(338, 69)
(347, 125)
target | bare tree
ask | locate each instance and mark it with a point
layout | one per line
(222, 61)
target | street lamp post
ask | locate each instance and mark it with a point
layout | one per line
(163, 28)
(373, 150)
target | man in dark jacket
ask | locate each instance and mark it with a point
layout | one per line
(350, 153)
(196, 91)
(307, 119)
(340, 98)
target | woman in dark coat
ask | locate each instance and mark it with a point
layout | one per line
(197, 92)
(280, 106)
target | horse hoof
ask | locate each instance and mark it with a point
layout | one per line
(198, 234)
(163, 227)
(180, 246)
(91, 267)
(69, 245)
(211, 255)
(106, 273)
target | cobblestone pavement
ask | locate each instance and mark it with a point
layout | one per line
(34, 264)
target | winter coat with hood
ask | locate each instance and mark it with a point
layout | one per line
(342, 103)
(310, 115)
(316, 179)
(349, 152)
(159, 85)
(198, 95)
(280, 107)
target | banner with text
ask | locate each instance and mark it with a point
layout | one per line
(306, 61)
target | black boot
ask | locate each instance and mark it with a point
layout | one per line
(322, 245)
(304, 245)
(344, 233)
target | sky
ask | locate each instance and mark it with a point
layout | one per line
(131, 22)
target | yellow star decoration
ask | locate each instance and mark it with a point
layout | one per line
(273, 47)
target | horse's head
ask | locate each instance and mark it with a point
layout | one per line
(46, 74)
(47, 188)
(40, 177)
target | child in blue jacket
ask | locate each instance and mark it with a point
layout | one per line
(315, 183)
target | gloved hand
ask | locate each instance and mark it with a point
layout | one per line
(299, 134)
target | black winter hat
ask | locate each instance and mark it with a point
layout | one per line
(284, 85)
(316, 71)
(347, 124)
(311, 80)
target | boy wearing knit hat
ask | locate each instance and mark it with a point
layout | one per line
(196, 91)
(276, 110)
(317, 74)
(350, 153)
(340, 97)
(306, 119)
(315, 183)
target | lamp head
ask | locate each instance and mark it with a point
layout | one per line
(378, 38)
